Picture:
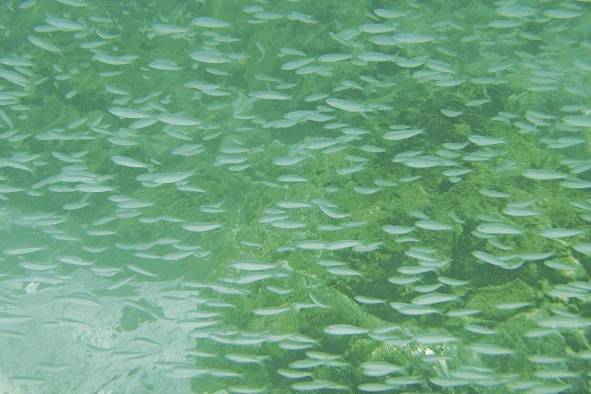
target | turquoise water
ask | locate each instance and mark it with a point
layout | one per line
(295, 196)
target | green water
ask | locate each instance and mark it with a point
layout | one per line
(318, 196)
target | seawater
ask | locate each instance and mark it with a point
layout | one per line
(348, 196)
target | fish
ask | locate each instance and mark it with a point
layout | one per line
(294, 196)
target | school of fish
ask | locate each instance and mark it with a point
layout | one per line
(256, 196)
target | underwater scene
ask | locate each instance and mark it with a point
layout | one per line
(295, 196)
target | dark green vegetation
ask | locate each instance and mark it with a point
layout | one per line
(295, 196)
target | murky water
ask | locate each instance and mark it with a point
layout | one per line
(292, 196)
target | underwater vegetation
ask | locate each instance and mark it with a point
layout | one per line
(353, 196)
